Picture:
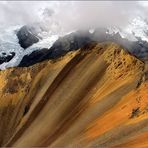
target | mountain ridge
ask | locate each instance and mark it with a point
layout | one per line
(62, 99)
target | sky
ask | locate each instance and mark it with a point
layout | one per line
(71, 15)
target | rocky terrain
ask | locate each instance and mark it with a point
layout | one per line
(76, 40)
(93, 96)
(6, 57)
(27, 37)
(30, 41)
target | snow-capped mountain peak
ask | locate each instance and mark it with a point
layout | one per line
(136, 30)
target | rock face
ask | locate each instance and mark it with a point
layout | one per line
(62, 46)
(6, 58)
(92, 97)
(70, 42)
(78, 39)
(27, 37)
(35, 57)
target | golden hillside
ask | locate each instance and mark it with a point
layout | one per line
(95, 96)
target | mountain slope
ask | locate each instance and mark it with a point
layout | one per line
(93, 96)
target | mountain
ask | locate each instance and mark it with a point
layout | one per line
(85, 88)
(79, 39)
(16, 38)
(94, 96)
(60, 47)
(26, 41)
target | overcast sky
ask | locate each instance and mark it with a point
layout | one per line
(71, 15)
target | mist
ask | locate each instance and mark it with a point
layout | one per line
(71, 15)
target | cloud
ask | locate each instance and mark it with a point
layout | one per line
(71, 15)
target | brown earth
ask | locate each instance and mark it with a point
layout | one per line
(93, 97)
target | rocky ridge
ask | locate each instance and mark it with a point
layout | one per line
(79, 99)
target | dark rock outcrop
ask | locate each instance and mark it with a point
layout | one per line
(27, 37)
(70, 42)
(6, 58)
(35, 57)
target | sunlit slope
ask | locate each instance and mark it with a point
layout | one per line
(19, 88)
(95, 96)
